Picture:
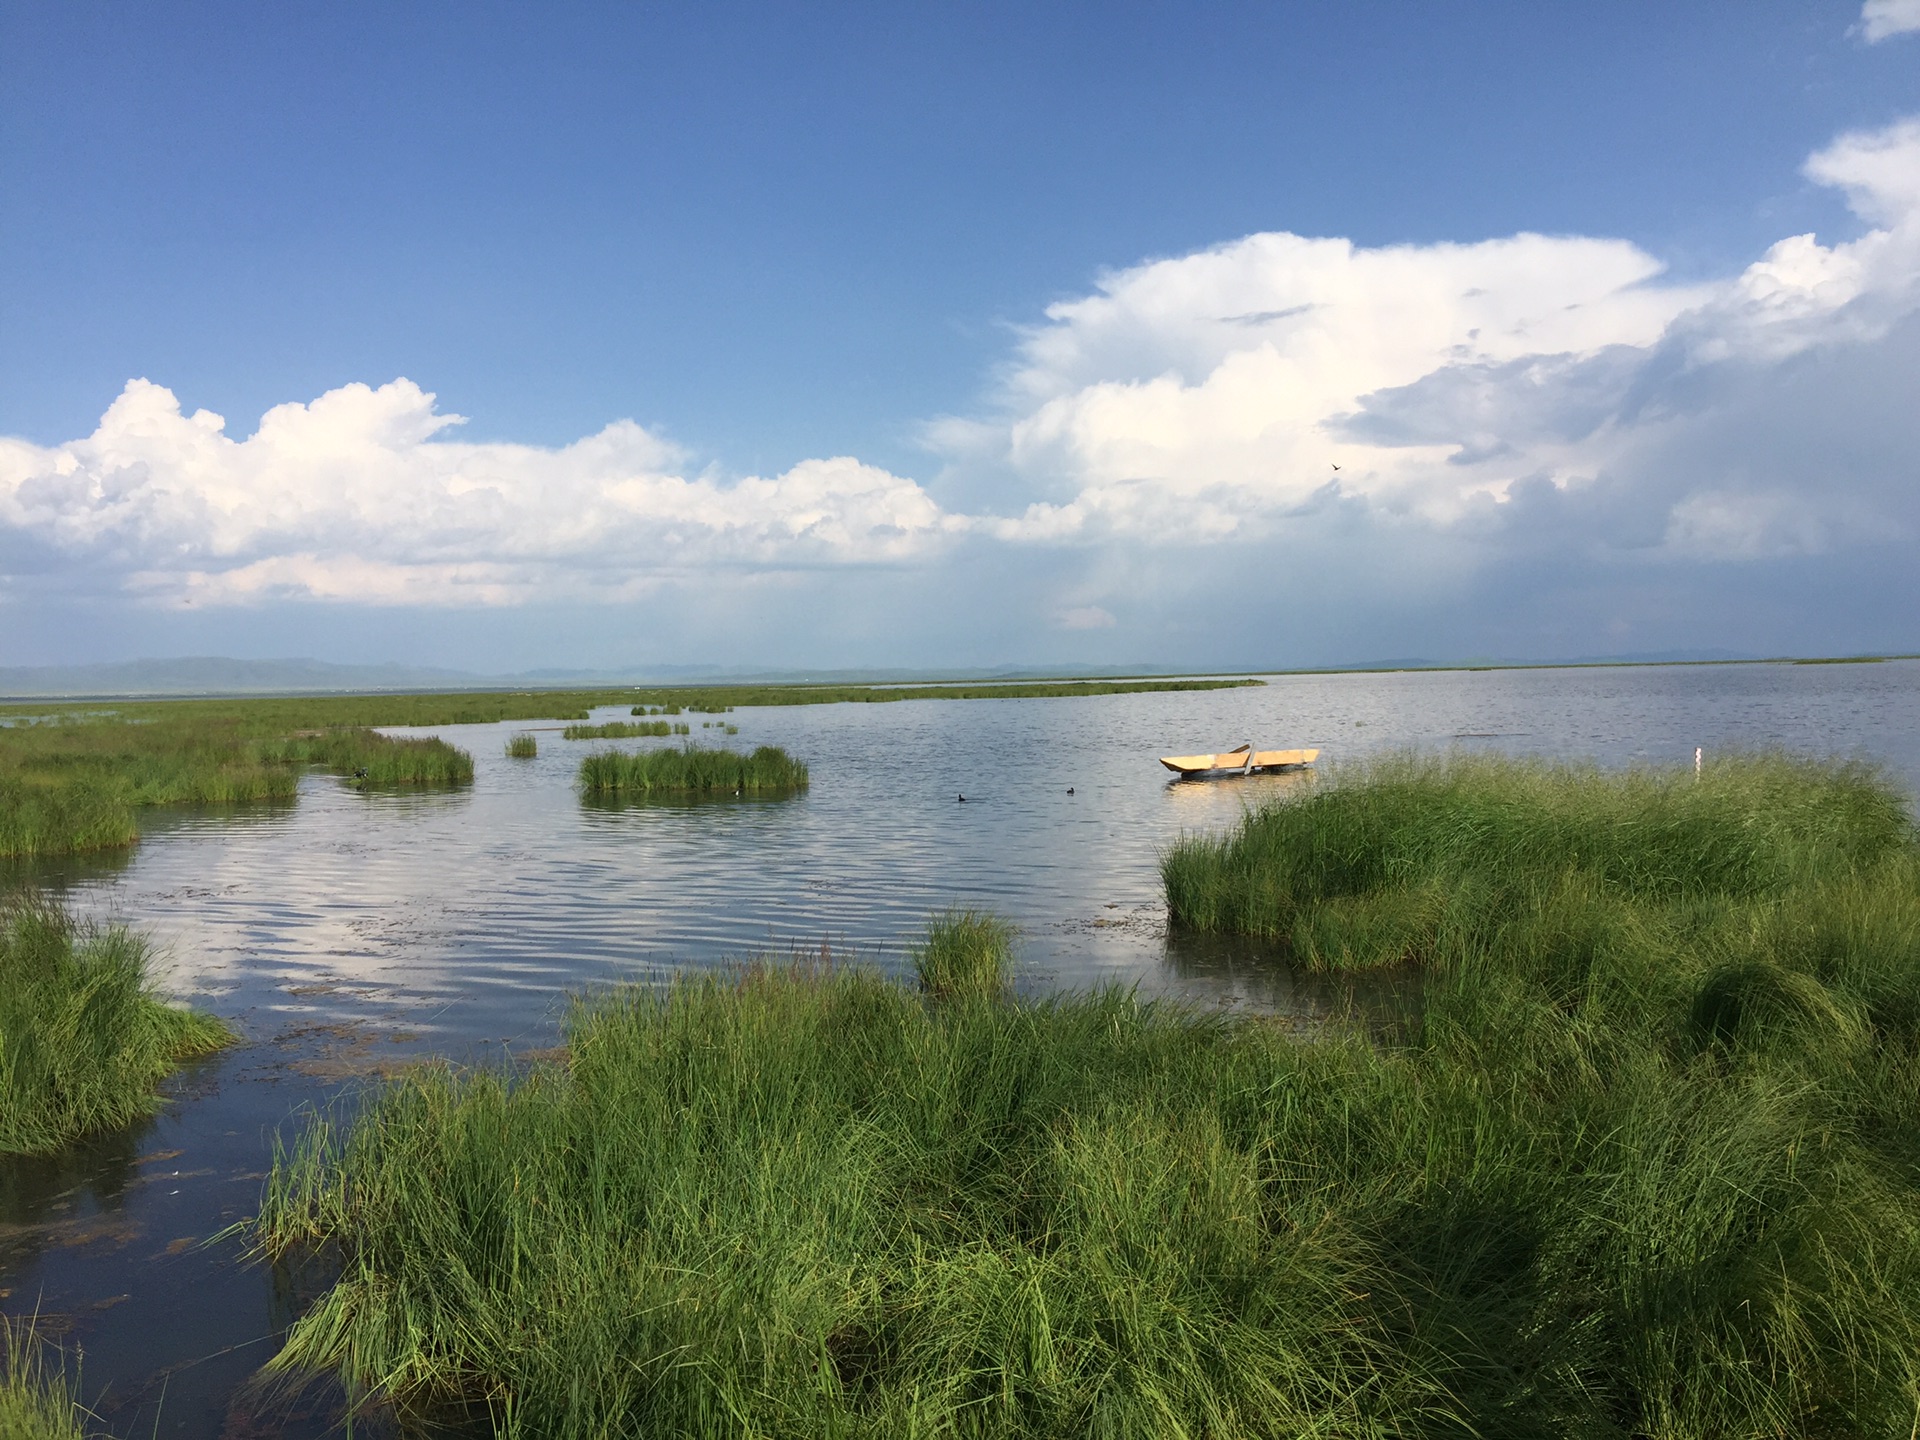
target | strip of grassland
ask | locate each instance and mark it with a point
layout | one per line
(83, 1038)
(1640, 1161)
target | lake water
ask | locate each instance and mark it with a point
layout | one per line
(347, 933)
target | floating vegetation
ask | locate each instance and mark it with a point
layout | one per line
(1640, 1162)
(693, 770)
(522, 747)
(622, 730)
(83, 1039)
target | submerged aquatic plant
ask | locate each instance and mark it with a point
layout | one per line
(83, 1038)
(693, 770)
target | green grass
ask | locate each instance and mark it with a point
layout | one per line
(1417, 846)
(692, 771)
(965, 952)
(36, 1401)
(78, 784)
(1641, 1161)
(369, 759)
(522, 747)
(83, 1038)
(625, 729)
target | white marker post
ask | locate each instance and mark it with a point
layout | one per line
(1696, 762)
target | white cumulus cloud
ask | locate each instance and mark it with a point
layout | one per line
(361, 495)
(1880, 19)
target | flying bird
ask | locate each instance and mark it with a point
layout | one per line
(1336, 467)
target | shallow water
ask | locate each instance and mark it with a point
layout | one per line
(347, 932)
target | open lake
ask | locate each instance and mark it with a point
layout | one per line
(348, 933)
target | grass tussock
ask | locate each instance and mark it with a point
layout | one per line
(522, 747)
(371, 760)
(36, 1400)
(965, 952)
(83, 1038)
(626, 729)
(1640, 1164)
(693, 770)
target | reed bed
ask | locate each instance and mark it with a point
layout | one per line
(83, 1038)
(1641, 1162)
(693, 770)
(522, 747)
(625, 730)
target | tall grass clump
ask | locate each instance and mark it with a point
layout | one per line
(693, 770)
(522, 747)
(965, 952)
(618, 730)
(36, 1399)
(83, 1038)
(369, 759)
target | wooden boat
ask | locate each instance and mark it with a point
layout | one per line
(1242, 760)
(1234, 759)
(1282, 759)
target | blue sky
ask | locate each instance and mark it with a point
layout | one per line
(949, 286)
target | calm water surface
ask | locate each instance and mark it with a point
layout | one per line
(346, 932)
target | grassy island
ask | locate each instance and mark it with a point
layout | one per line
(83, 1039)
(693, 770)
(625, 729)
(1642, 1161)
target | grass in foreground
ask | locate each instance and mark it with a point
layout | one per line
(83, 1039)
(1642, 1164)
(36, 1402)
(693, 771)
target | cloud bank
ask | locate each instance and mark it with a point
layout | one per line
(1881, 19)
(1484, 430)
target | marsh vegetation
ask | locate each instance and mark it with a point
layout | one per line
(626, 729)
(522, 747)
(83, 1038)
(1641, 1162)
(36, 1398)
(693, 770)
